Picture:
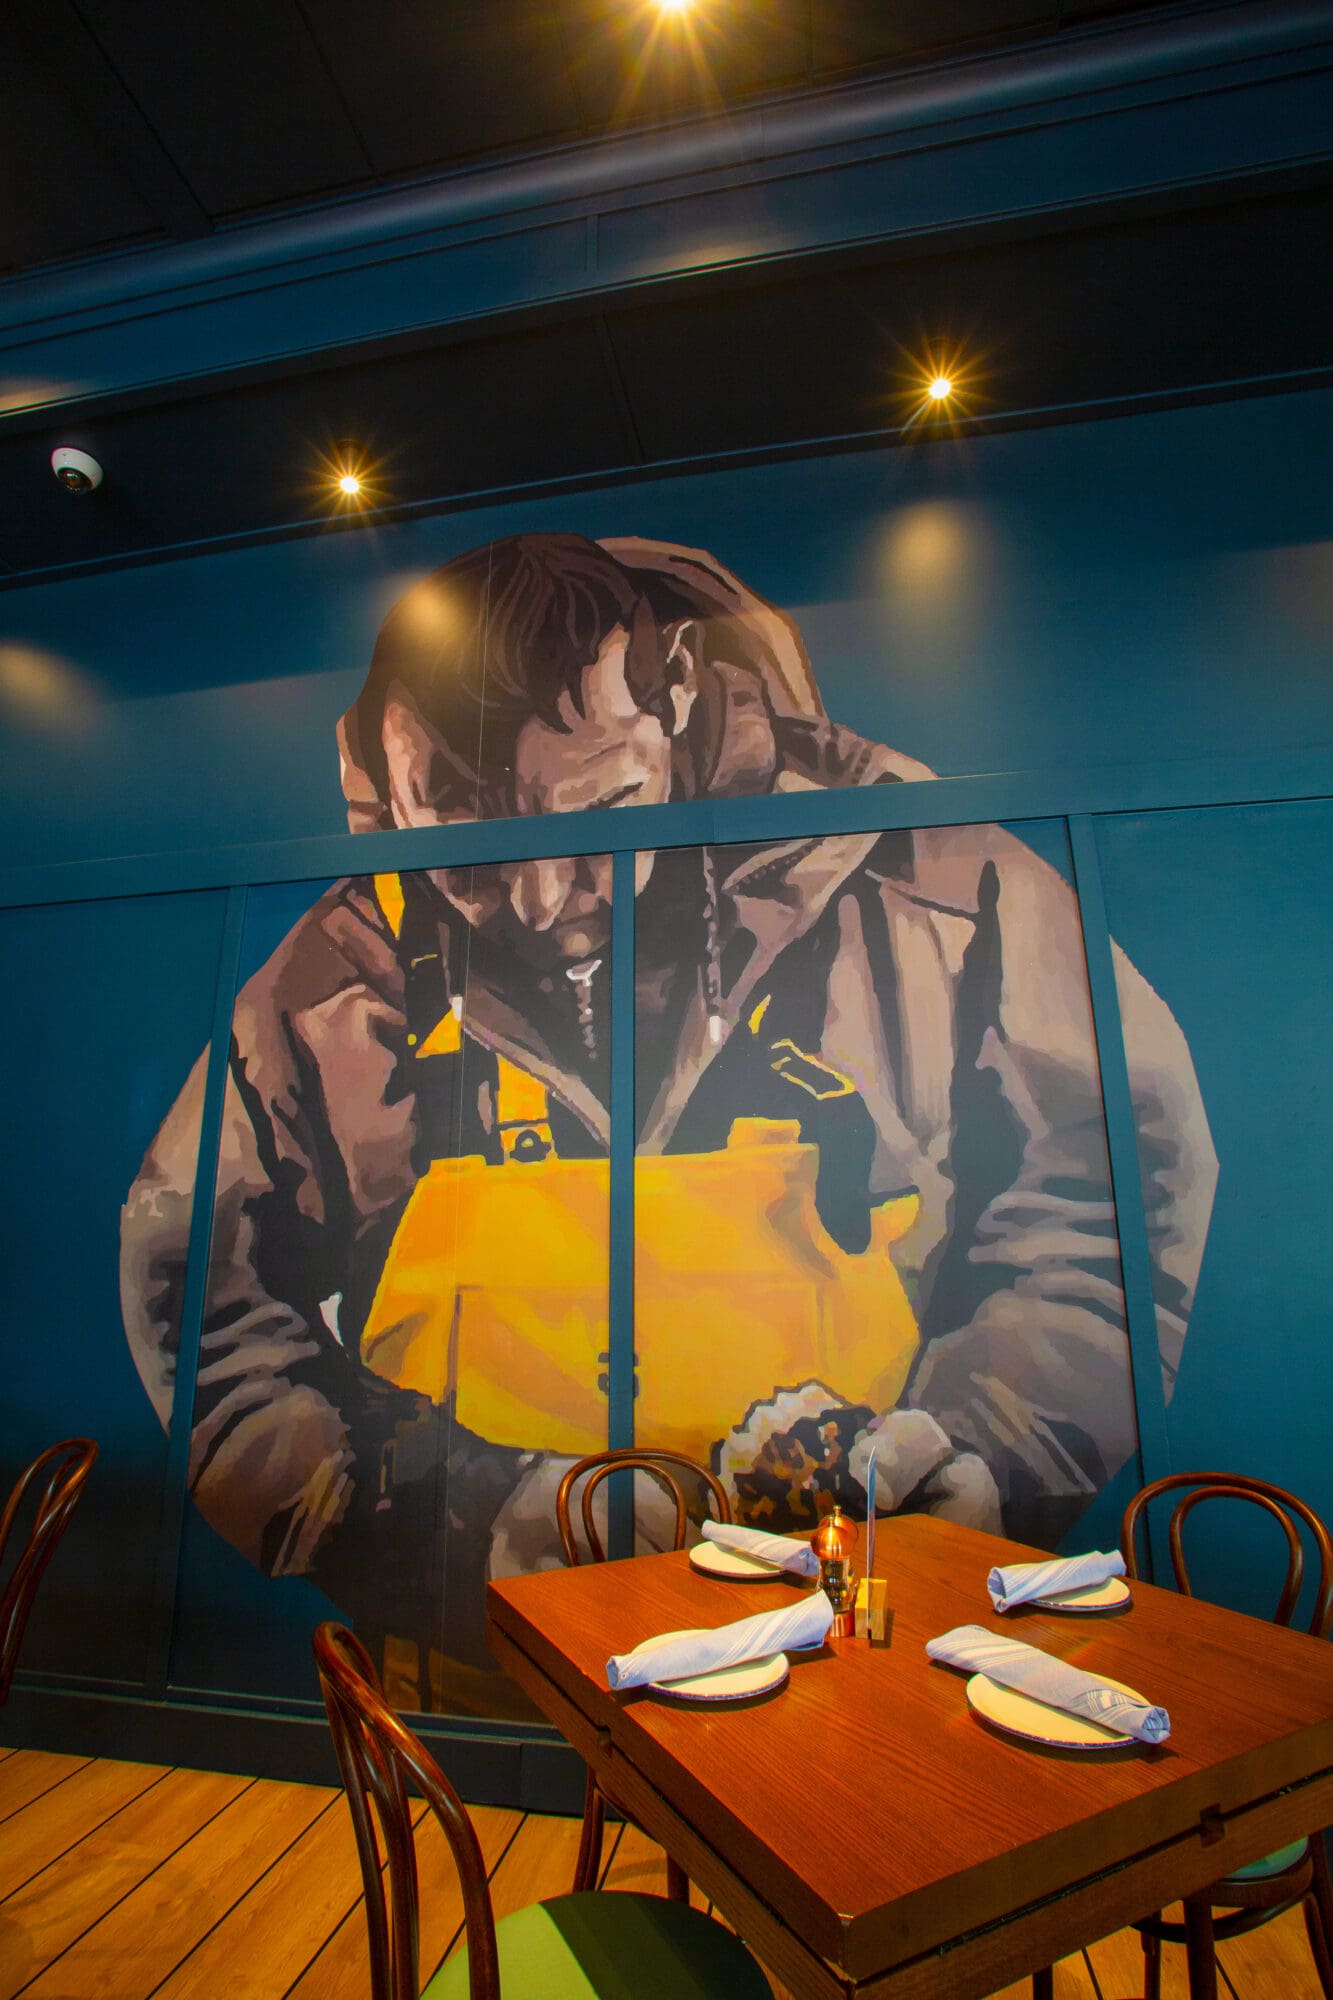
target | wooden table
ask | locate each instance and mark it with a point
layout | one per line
(865, 1832)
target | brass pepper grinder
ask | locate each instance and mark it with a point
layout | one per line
(834, 1542)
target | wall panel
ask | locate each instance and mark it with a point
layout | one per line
(103, 1012)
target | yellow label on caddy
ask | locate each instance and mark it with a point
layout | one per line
(495, 1292)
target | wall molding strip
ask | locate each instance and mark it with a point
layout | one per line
(970, 800)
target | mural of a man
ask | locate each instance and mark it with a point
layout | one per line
(875, 1041)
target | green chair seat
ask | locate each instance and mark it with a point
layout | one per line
(609, 1945)
(1272, 1864)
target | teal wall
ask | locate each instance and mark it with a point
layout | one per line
(1081, 620)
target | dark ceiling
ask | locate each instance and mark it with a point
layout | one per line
(133, 121)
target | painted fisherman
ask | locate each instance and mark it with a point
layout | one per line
(872, 1202)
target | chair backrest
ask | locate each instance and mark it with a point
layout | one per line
(65, 1467)
(377, 1754)
(683, 1479)
(1285, 1508)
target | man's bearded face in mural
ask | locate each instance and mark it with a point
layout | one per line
(600, 747)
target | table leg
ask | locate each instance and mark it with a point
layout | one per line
(1199, 1953)
(588, 1865)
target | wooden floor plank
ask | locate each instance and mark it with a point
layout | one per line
(1273, 1963)
(67, 1813)
(539, 1862)
(1072, 1982)
(637, 1864)
(197, 1884)
(341, 1968)
(282, 1920)
(145, 1937)
(44, 1918)
(28, 1773)
(442, 1902)
(1118, 1964)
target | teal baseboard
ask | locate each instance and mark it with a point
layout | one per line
(535, 1771)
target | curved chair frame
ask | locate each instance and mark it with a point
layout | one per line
(667, 1467)
(378, 1756)
(664, 1466)
(375, 1751)
(66, 1467)
(1254, 1901)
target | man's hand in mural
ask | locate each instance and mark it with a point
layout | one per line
(784, 1467)
(805, 1447)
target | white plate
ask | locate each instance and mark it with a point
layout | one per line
(1020, 1715)
(1106, 1596)
(729, 1683)
(733, 1564)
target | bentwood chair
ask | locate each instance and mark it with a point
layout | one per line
(579, 1947)
(688, 1484)
(65, 1467)
(1295, 1874)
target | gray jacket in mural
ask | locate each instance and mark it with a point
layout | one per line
(943, 970)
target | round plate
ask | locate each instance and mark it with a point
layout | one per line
(712, 1559)
(1108, 1596)
(729, 1683)
(1020, 1715)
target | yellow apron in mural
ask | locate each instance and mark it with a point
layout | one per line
(494, 1290)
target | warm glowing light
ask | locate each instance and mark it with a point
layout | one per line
(42, 688)
(346, 481)
(674, 7)
(940, 388)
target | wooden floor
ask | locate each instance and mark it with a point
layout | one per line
(125, 1881)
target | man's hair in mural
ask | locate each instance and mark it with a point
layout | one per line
(510, 628)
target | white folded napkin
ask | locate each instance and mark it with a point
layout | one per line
(674, 1656)
(783, 1551)
(1034, 1673)
(1021, 1582)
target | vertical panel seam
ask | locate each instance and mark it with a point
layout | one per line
(620, 1272)
(1122, 1147)
(162, 1617)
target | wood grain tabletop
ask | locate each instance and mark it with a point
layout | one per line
(871, 1809)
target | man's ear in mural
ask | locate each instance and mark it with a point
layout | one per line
(683, 648)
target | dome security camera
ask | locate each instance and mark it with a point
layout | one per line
(76, 470)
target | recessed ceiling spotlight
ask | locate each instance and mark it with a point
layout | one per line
(348, 470)
(345, 479)
(939, 382)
